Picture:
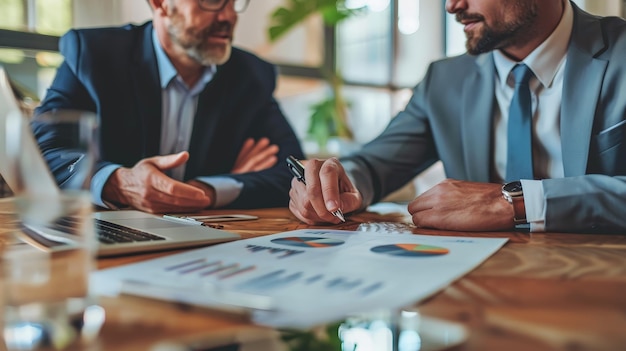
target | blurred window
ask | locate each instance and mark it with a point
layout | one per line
(53, 16)
(29, 32)
(364, 49)
(41, 16)
(13, 14)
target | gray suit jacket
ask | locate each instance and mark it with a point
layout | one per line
(449, 118)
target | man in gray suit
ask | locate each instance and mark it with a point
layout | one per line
(460, 114)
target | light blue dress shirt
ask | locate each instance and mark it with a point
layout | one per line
(180, 103)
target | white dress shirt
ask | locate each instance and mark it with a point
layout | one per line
(547, 62)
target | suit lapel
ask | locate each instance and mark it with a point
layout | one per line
(477, 112)
(581, 88)
(215, 109)
(145, 77)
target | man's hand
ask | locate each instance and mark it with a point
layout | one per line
(255, 156)
(463, 206)
(147, 188)
(327, 189)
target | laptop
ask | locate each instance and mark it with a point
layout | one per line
(126, 232)
(119, 232)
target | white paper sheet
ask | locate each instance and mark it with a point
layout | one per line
(306, 277)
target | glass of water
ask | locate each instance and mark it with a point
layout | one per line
(47, 304)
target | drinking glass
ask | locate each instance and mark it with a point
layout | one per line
(46, 266)
(399, 330)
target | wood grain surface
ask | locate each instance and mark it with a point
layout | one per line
(541, 291)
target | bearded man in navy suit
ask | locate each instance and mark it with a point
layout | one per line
(186, 121)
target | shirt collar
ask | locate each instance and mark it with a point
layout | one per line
(545, 60)
(167, 71)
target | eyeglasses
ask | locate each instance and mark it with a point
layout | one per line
(218, 5)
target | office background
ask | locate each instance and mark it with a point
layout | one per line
(380, 53)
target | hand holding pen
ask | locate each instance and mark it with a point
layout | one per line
(335, 191)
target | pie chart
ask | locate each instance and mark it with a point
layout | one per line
(303, 241)
(410, 250)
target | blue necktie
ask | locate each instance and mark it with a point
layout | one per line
(519, 163)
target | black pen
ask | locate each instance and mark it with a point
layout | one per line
(297, 169)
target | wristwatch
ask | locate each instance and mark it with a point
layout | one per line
(514, 194)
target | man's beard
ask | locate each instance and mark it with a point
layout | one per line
(500, 34)
(195, 44)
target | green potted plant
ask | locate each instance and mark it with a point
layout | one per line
(329, 116)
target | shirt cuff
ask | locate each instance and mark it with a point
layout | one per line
(534, 204)
(226, 189)
(97, 185)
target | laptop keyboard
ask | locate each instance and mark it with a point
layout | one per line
(110, 233)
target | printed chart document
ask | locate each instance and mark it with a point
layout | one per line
(305, 277)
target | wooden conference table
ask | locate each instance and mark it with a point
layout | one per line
(547, 291)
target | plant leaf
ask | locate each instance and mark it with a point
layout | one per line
(284, 18)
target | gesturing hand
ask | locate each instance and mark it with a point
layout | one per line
(327, 189)
(147, 188)
(462, 206)
(255, 156)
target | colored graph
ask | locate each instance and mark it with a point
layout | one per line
(282, 253)
(410, 250)
(305, 241)
(203, 268)
(284, 279)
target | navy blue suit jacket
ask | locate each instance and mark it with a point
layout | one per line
(113, 72)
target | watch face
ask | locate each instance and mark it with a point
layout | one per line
(513, 187)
